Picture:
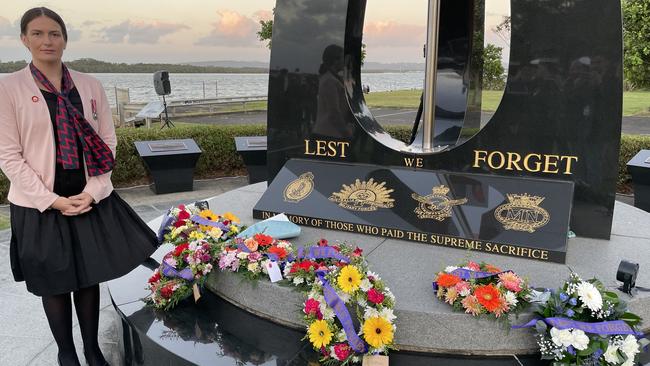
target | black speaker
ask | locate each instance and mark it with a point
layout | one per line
(161, 83)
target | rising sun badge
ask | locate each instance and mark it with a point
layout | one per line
(300, 188)
(437, 205)
(364, 196)
(522, 213)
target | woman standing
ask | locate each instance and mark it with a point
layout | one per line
(70, 231)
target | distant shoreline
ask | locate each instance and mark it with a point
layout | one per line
(89, 65)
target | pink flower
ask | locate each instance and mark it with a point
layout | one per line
(342, 351)
(312, 307)
(375, 296)
(511, 281)
(463, 288)
(473, 266)
(471, 305)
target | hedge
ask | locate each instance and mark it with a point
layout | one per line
(220, 158)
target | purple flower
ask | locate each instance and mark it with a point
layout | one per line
(234, 266)
(570, 313)
(564, 297)
(254, 257)
(205, 258)
(571, 350)
(573, 301)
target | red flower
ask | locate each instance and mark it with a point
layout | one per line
(375, 296)
(154, 278)
(167, 291)
(488, 296)
(322, 243)
(337, 248)
(492, 269)
(183, 215)
(312, 307)
(280, 252)
(447, 280)
(181, 207)
(342, 351)
(263, 240)
(357, 252)
(304, 265)
(179, 249)
(179, 223)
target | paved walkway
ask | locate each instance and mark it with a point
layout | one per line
(25, 337)
(386, 116)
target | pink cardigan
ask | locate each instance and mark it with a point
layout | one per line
(27, 152)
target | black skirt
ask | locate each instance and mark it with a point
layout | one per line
(57, 254)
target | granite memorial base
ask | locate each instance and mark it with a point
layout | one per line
(264, 324)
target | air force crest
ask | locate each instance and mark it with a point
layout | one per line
(437, 205)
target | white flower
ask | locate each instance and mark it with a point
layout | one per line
(345, 297)
(207, 269)
(450, 269)
(511, 298)
(253, 267)
(388, 314)
(579, 340)
(370, 313)
(373, 275)
(193, 245)
(287, 269)
(590, 296)
(630, 347)
(328, 313)
(611, 355)
(389, 294)
(242, 255)
(561, 338)
(356, 359)
(365, 285)
(265, 265)
(341, 336)
(298, 281)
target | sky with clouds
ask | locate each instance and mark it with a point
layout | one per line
(207, 30)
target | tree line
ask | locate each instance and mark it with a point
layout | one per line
(90, 65)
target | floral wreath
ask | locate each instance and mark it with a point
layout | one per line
(583, 324)
(482, 289)
(197, 235)
(339, 283)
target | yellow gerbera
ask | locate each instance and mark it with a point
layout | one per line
(231, 217)
(349, 279)
(378, 332)
(208, 215)
(320, 334)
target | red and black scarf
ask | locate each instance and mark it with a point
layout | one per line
(71, 124)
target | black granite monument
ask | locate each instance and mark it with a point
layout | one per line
(559, 119)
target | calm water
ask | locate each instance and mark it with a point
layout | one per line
(192, 86)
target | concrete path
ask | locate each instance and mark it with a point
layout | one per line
(25, 337)
(387, 116)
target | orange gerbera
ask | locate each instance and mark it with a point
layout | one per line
(488, 296)
(447, 280)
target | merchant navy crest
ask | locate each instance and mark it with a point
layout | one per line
(364, 196)
(300, 188)
(437, 205)
(522, 213)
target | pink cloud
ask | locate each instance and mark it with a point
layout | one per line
(231, 29)
(263, 15)
(393, 34)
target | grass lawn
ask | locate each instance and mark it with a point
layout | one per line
(4, 222)
(635, 103)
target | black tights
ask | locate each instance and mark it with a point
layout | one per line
(58, 309)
